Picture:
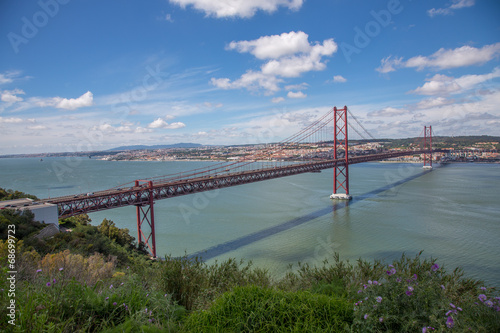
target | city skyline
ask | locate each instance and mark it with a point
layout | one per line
(92, 76)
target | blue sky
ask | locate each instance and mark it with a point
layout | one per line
(91, 75)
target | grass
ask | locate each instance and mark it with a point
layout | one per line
(187, 295)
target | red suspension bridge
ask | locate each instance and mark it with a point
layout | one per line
(251, 168)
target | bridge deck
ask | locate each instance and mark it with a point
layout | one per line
(141, 195)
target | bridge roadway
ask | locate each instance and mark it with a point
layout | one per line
(149, 191)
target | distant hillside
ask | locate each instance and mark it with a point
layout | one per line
(140, 147)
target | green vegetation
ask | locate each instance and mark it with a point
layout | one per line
(11, 195)
(94, 279)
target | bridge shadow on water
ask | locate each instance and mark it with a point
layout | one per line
(235, 244)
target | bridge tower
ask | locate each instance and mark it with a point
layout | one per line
(341, 169)
(145, 213)
(427, 147)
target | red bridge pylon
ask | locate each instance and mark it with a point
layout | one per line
(427, 146)
(145, 213)
(340, 140)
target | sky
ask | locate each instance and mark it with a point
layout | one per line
(86, 75)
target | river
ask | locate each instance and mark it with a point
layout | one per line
(451, 213)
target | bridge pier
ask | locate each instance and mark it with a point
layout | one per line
(341, 170)
(428, 145)
(146, 215)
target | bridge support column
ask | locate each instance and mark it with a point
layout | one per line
(428, 146)
(145, 213)
(341, 169)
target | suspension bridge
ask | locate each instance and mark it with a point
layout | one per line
(142, 193)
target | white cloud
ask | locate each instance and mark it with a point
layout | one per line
(250, 80)
(10, 120)
(277, 100)
(160, 123)
(298, 94)
(443, 85)
(37, 127)
(444, 59)
(274, 46)
(388, 112)
(9, 96)
(434, 102)
(237, 8)
(9, 76)
(339, 79)
(291, 55)
(86, 99)
(456, 4)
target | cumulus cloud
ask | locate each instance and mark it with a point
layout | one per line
(160, 123)
(288, 55)
(274, 46)
(443, 85)
(456, 4)
(277, 100)
(10, 96)
(237, 8)
(86, 99)
(444, 59)
(298, 94)
(339, 79)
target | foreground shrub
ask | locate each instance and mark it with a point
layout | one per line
(256, 309)
(415, 295)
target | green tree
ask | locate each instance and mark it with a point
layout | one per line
(120, 236)
(11, 195)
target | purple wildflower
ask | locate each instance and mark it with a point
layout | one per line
(381, 319)
(442, 287)
(415, 277)
(482, 297)
(392, 271)
(489, 303)
(452, 305)
(450, 322)
(114, 303)
(60, 269)
(111, 287)
(375, 282)
(360, 291)
(434, 267)
(483, 288)
(165, 295)
(410, 288)
(370, 282)
(408, 293)
(398, 280)
(48, 284)
(365, 316)
(121, 284)
(378, 299)
(54, 280)
(106, 298)
(459, 308)
(38, 270)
